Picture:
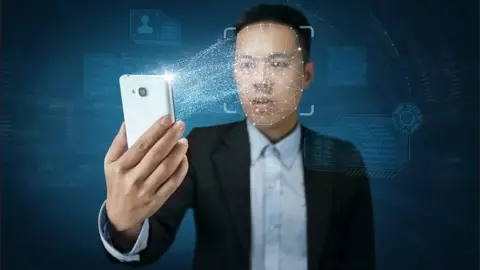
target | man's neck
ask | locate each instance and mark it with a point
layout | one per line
(281, 129)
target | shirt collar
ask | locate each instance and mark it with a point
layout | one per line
(288, 147)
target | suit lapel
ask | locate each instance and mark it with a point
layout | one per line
(318, 196)
(232, 163)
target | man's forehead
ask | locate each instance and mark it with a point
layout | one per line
(262, 31)
(266, 26)
(275, 41)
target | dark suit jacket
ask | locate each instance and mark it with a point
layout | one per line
(339, 208)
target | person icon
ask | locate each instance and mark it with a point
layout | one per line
(145, 28)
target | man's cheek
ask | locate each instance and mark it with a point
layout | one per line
(284, 80)
(246, 94)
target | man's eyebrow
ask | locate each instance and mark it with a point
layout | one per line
(279, 55)
(269, 56)
(245, 56)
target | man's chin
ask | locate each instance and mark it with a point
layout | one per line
(262, 120)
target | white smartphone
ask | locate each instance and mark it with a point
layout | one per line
(145, 98)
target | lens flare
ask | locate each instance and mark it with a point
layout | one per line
(169, 77)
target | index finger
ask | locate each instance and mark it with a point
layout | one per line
(118, 146)
(135, 154)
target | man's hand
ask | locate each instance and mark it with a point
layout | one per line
(140, 179)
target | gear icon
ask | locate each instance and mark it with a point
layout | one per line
(407, 118)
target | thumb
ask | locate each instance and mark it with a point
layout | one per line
(118, 146)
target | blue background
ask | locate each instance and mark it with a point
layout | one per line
(60, 108)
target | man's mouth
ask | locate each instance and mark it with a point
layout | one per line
(261, 101)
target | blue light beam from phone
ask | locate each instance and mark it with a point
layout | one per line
(202, 81)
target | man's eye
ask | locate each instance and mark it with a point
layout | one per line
(279, 64)
(245, 65)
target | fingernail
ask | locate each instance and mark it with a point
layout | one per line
(166, 120)
(180, 125)
(183, 141)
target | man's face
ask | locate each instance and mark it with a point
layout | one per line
(270, 72)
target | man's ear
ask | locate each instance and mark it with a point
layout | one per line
(308, 70)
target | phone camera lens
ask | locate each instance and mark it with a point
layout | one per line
(142, 91)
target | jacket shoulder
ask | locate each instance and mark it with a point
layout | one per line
(207, 138)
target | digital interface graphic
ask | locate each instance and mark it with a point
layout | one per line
(233, 106)
(270, 77)
(153, 26)
(101, 73)
(5, 130)
(202, 81)
(384, 150)
(407, 118)
(48, 174)
(9, 70)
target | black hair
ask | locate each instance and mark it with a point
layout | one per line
(281, 14)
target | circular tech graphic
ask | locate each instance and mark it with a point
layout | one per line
(407, 118)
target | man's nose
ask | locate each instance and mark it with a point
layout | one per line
(260, 72)
(261, 80)
(262, 86)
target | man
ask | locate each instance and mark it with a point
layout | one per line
(256, 204)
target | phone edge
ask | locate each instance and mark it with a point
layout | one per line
(171, 100)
